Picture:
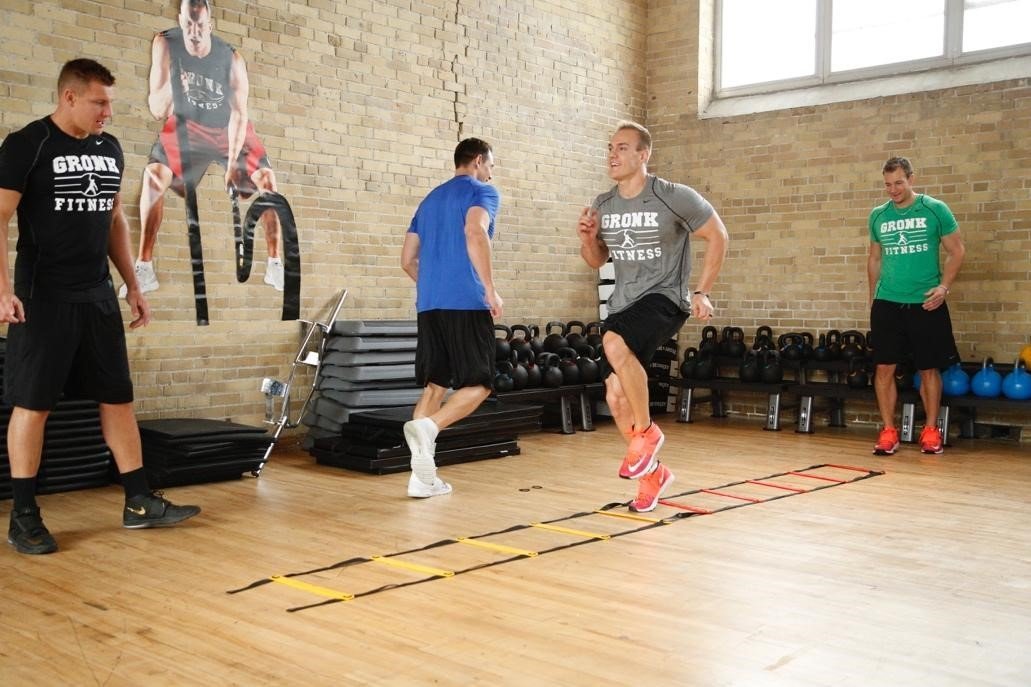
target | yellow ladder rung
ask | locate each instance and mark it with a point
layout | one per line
(566, 530)
(385, 560)
(312, 588)
(628, 516)
(496, 547)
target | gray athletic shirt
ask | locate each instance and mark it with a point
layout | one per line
(648, 238)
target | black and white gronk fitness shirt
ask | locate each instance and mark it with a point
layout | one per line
(68, 188)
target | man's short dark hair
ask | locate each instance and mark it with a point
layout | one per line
(902, 163)
(82, 71)
(467, 150)
(644, 137)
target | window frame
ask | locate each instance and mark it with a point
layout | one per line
(951, 57)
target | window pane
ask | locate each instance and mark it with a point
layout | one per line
(766, 41)
(867, 33)
(995, 23)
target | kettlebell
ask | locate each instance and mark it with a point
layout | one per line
(519, 374)
(736, 345)
(502, 348)
(589, 370)
(749, 369)
(790, 346)
(821, 353)
(807, 345)
(955, 381)
(763, 339)
(705, 366)
(567, 364)
(556, 337)
(725, 341)
(503, 377)
(687, 367)
(709, 345)
(833, 344)
(853, 344)
(594, 336)
(771, 371)
(520, 344)
(1025, 355)
(536, 343)
(986, 383)
(533, 371)
(1017, 384)
(551, 376)
(857, 377)
(574, 338)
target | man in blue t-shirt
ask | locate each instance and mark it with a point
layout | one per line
(447, 253)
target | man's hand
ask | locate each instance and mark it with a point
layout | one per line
(496, 305)
(935, 297)
(701, 307)
(587, 227)
(139, 307)
(11, 309)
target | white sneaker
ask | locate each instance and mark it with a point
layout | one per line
(145, 277)
(421, 436)
(418, 489)
(274, 273)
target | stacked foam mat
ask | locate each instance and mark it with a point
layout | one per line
(366, 392)
(180, 451)
(74, 453)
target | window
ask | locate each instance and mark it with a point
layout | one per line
(764, 46)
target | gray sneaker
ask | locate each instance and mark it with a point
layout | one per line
(153, 510)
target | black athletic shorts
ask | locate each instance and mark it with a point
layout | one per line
(645, 325)
(77, 348)
(455, 348)
(904, 331)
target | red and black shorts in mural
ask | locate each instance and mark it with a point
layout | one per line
(209, 145)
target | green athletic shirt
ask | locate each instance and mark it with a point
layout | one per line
(909, 240)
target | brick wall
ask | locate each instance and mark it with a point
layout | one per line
(795, 187)
(360, 105)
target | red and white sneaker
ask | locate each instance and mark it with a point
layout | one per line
(641, 455)
(887, 442)
(650, 488)
(931, 440)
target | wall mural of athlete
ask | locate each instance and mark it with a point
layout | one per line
(199, 87)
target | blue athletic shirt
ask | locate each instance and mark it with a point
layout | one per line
(447, 279)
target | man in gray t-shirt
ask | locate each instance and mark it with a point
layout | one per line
(645, 225)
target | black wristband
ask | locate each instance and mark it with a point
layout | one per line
(700, 293)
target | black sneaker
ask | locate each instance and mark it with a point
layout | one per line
(152, 510)
(28, 534)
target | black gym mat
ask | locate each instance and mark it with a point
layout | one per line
(394, 465)
(176, 430)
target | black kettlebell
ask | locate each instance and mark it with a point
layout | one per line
(853, 344)
(821, 353)
(749, 370)
(556, 337)
(709, 345)
(736, 347)
(519, 374)
(521, 343)
(567, 365)
(833, 344)
(725, 341)
(533, 371)
(551, 376)
(503, 377)
(575, 334)
(857, 377)
(589, 370)
(594, 336)
(790, 346)
(536, 343)
(705, 367)
(807, 345)
(771, 371)
(687, 366)
(502, 348)
(763, 339)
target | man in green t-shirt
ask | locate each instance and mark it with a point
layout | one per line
(909, 319)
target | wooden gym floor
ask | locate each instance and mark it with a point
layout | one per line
(921, 576)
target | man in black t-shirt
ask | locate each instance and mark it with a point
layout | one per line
(62, 175)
